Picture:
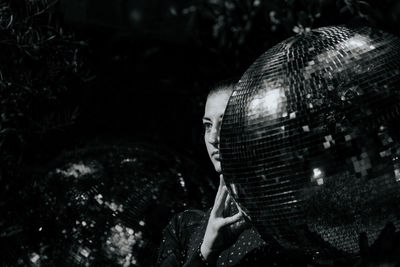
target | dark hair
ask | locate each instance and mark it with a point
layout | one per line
(224, 85)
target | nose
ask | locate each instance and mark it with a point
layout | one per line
(213, 137)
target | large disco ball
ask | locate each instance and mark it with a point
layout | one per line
(106, 205)
(310, 141)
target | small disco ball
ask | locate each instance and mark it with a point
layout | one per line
(310, 140)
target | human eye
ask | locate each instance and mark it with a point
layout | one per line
(207, 126)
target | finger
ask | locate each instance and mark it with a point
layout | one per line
(241, 225)
(237, 205)
(217, 199)
(245, 216)
(221, 177)
(226, 211)
(233, 219)
(221, 184)
(227, 203)
(220, 204)
(218, 192)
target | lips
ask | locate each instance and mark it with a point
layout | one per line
(215, 155)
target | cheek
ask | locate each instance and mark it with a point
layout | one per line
(206, 139)
(208, 146)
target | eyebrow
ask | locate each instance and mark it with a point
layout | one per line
(208, 119)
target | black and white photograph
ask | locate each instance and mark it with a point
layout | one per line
(171, 133)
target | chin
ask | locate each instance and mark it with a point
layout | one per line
(217, 167)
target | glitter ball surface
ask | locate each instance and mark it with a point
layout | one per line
(310, 140)
(107, 205)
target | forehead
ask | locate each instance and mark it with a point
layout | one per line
(216, 104)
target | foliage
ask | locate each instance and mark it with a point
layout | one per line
(41, 62)
(240, 26)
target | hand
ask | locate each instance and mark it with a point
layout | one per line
(385, 251)
(222, 231)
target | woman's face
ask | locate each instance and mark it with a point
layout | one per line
(213, 113)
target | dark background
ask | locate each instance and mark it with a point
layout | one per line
(82, 73)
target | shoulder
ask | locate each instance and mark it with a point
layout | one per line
(185, 224)
(187, 218)
(184, 227)
(181, 236)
